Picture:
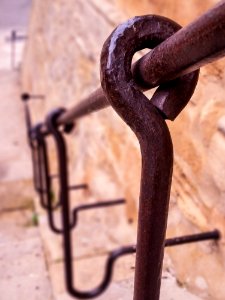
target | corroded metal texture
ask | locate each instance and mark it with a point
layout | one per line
(147, 122)
(197, 44)
(65, 216)
(178, 55)
(69, 223)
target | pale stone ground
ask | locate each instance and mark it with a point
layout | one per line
(30, 257)
(22, 263)
(23, 269)
(62, 63)
(89, 264)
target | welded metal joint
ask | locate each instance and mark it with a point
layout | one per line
(147, 120)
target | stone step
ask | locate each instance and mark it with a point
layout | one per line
(118, 290)
(16, 195)
(90, 252)
(22, 263)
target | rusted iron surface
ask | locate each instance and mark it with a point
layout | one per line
(178, 55)
(66, 232)
(66, 213)
(147, 122)
(197, 44)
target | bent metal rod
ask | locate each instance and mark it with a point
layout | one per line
(146, 118)
(161, 64)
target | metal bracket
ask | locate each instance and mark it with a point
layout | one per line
(146, 119)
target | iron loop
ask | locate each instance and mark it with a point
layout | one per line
(116, 75)
(146, 119)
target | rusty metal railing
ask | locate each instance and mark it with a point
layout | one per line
(13, 39)
(173, 66)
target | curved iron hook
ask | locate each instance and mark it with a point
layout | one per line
(66, 222)
(45, 188)
(146, 119)
(41, 175)
(43, 184)
(114, 255)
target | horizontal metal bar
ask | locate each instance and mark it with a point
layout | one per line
(16, 37)
(131, 249)
(199, 237)
(186, 239)
(25, 97)
(79, 186)
(72, 187)
(162, 64)
(102, 204)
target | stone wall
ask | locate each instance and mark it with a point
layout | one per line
(61, 61)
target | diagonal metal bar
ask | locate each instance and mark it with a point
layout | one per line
(161, 64)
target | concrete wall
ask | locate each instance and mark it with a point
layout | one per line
(61, 61)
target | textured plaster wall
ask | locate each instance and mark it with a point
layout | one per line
(61, 61)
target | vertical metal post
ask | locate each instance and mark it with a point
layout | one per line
(13, 49)
(147, 122)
